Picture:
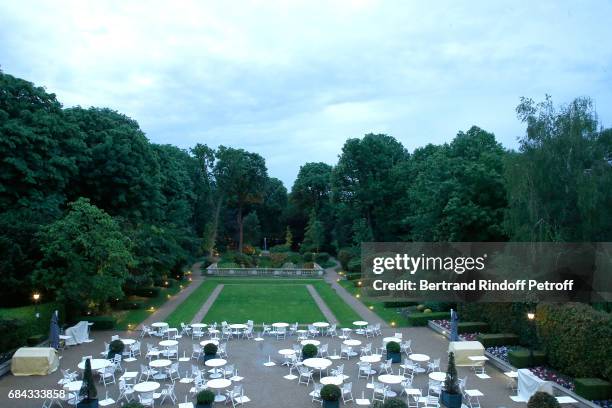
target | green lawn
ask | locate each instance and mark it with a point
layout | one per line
(264, 300)
(135, 317)
(343, 312)
(390, 315)
(190, 306)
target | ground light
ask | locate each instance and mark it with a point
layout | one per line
(36, 297)
(531, 318)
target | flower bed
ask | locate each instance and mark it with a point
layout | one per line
(445, 324)
(500, 352)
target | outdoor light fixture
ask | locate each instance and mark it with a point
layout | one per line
(359, 283)
(371, 307)
(36, 297)
(531, 315)
(357, 296)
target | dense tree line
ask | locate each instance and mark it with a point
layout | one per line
(81, 189)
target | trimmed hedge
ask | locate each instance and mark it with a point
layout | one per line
(398, 303)
(100, 322)
(520, 358)
(354, 265)
(129, 305)
(472, 327)
(576, 338)
(36, 340)
(421, 319)
(148, 292)
(593, 388)
(498, 339)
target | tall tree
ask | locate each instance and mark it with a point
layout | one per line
(314, 236)
(241, 177)
(85, 257)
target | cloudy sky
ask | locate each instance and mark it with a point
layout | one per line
(292, 80)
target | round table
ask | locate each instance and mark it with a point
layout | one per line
(218, 384)
(128, 342)
(159, 324)
(238, 326)
(280, 324)
(286, 352)
(161, 363)
(215, 363)
(320, 325)
(335, 380)
(313, 342)
(147, 386)
(168, 343)
(96, 364)
(419, 358)
(346, 333)
(360, 324)
(374, 358)
(198, 325)
(317, 363)
(205, 342)
(73, 386)
(390, 339)
(352, 343)
(437, 376)
(391, 380)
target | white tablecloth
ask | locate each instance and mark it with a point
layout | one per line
(77, 334)
(529, 384)
(463, 350)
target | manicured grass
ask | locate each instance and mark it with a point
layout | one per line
(135, 317)
(343, 312)
(390, 315)
(190, 306)
(261, 301)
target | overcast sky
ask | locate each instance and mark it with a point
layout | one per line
(293, 80)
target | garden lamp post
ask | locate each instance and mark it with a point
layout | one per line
(531, 318)
(36, 297)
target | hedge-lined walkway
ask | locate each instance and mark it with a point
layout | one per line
(168, 307)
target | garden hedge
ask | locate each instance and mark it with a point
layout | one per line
(576, 339)
(19, 323)
(148, 292)
(35, 340)
(100, 322)
(397, 303)
(472, 327)
(521, 358)
(421, 319)
(498, 339)
(593, 388)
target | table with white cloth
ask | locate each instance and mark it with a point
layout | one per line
(313, 342)
(96, 364)
(280, 324)
(529, 384)
(34, 361)
(352, 343)
(360, 326)
(77, 334)
(238, 326)
(390, 339)
(128, 342)
(198, 325)
(463, 350)
(168, 343)
(218, 384)
(374, 358)
(205, 342)
(320, 325)
(73, 388)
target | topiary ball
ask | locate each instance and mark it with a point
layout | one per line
(394, 403)
(309, 351)
(393, 347)
(542, 400)
(330, 392)
(210, 349)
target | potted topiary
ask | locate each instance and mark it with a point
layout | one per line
(309, 351)
(210, 351)
(133, 404)
(542, 400)
(394, 352)
(451, 394)
(330, 394)
(88, 390)
(115, 347)
(204, 399)
(394, 403)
